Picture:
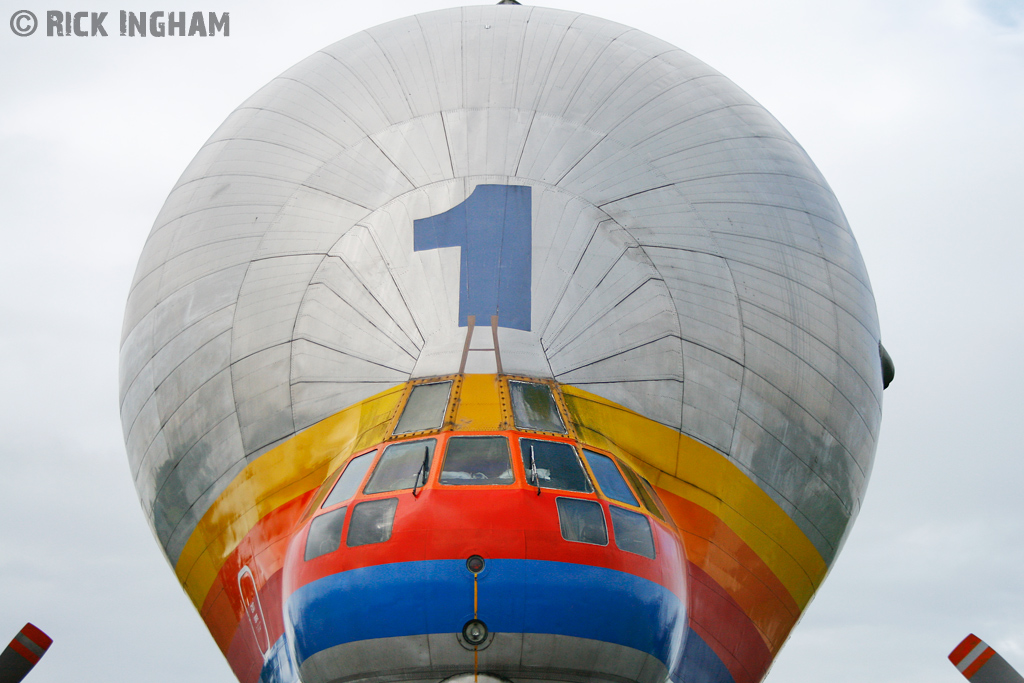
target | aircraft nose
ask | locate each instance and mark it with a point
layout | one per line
(499, 580)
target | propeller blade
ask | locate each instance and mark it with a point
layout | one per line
(22, 654)
(979, 663)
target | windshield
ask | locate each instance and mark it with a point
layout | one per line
(556, 464)
(402, 466)
(477, 460)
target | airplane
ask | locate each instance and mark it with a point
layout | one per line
(23, 653)
(501, 344)
(981, 664)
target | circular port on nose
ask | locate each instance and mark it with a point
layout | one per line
(475, 564)
(474, 632)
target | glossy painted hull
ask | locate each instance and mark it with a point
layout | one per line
(724, 612)
(523, 602)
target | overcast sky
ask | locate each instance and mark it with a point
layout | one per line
(914, 112)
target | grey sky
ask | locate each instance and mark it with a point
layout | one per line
(911, 109)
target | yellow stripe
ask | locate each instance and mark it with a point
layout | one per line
(697, 473)
(276, 477)
(671, 461)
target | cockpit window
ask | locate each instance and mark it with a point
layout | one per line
(350, 479)
(609, 478)
(402, 466)
(372, 521)
(659, 511)
(632, 532)
(554, 465)
(325, 533)
(533, 407)
(425, 408)
(477, 460)
(581, 521)
(646, 493)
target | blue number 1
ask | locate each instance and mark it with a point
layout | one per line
(494, 229)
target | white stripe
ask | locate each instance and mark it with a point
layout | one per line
(29, 645)
(971, 656)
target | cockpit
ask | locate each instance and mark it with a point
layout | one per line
(441, 470)
(472, 516)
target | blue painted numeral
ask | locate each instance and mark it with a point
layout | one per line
(493, 227)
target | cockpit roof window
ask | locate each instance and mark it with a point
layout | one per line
(425, 408)
(534, 407)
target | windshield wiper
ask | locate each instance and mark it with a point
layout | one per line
(424, 470)
(533, 469)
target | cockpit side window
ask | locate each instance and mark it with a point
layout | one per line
(350, 479)
(553, 465)
(645, 494)
(476, 461)
(660, 510)
(325, 533)
(402, 466)
(609, 479)
(581, 521)
(372, 522)
(632, 532)
(534, 407)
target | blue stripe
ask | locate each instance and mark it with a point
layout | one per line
(277, 666)
(700, 663)
(516, 596)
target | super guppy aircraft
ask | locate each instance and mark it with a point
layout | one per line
(501, 343)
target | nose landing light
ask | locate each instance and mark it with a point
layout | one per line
(475, 564)
(474, 632)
